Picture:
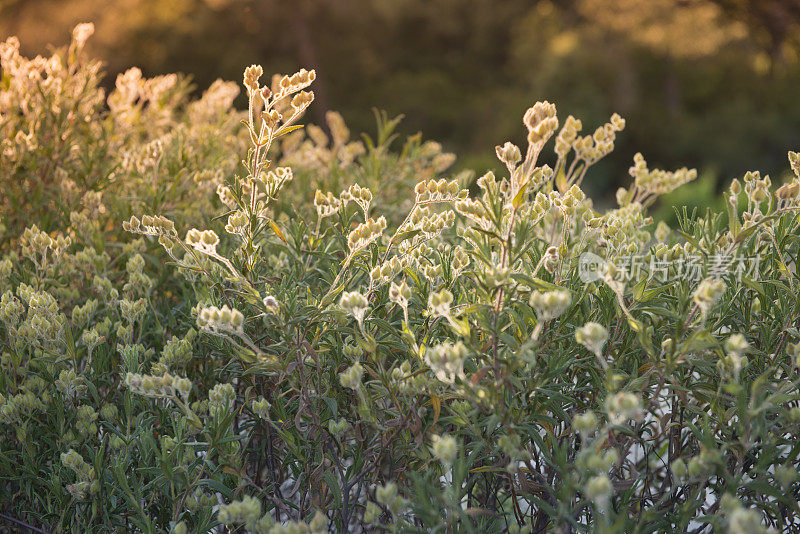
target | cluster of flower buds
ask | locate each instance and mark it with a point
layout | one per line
(251, 77)
(237, 223)
(433, 271)
(177, 353)
(400, 294)
(221, 399)
(299, 80)
(622, 407)
(271, 304)
(788, 193)
(6, 266)
(39, 302)
(384, 273)
(87, 483)
(275, 180)
(91, 339)
(20, 406)
(366, 233)
(414, 252)
(541, 122)
(205, 241)
(165, 385)
(212, 319)
(567, 136)
(86, 421)
(475, 211)
(755, 187)
(428, 191)
(439, 303)
(302, 100)
(599, 489)
(260, 407)
(459, 260)
(132, 310)
(83, 226)
(326, 204)
(585, 423)
(592, 148)
(44, 321)
(215, 102)
(82, 314)
(535, 180)
(428, 223)
(550, 304)
(271, 117)
(199, 499)
(509, 154)
(105, 289)
(742, 520)
(360, 195)
(138, 283)
(70, 384)
(81, 34)
(540, 207)
(388, 496)
(794, 163)
(432, 225)
(622, 230)
(656, 181)
(372, 513)
(592, 460)
(109, 412)
(354, 303)
(569, 203)
(150, 155)
(662, 232)
(593, 336)
(446, 361)
(495, 276)
(150, 225)
(405, 381)
(247, 512)
(707, 293)
(704, 463)
(550, 259)
(36, 244)
(352, 351)
(444, 448)
(736, 346)
(352, 376)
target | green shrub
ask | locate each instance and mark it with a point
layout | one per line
(511, 359)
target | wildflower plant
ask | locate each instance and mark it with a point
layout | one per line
(289, 346)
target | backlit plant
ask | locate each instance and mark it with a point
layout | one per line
(500, 355)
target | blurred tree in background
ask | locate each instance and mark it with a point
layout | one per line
(704, 83)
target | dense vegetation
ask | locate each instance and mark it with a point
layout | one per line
(709, 84)
(213, 319)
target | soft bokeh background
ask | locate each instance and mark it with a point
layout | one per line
(711, 84)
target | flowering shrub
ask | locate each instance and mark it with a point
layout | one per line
(505, 357)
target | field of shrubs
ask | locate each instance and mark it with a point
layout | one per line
(214, 320)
